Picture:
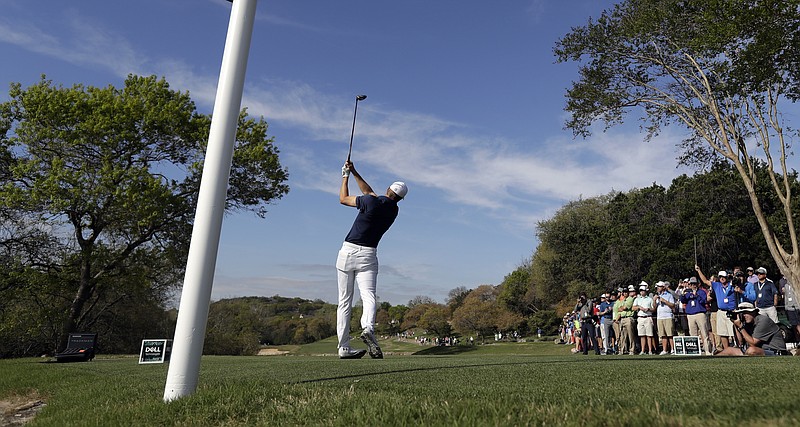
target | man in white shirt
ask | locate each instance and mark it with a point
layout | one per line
(665, 303)
(644, 309)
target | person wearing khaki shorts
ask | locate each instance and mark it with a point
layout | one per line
(644, 308)
(665, 303)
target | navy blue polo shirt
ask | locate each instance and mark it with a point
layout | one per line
(765, 293)
(375, 216)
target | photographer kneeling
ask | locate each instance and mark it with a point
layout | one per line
(762, 337)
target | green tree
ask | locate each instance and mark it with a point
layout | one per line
(436, 320)
(573, 249)
(516, 290)
(108, 178)
(546, 274)
(722, 69)
(642, 236)
(482, 314)
(412, 316)
(548, 320)
(233, 328)
(396, 314)
(456, 297)
(420, 300)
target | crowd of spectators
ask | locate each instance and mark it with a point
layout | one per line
(731, 313)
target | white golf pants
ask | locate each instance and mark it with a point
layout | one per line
(356, 264)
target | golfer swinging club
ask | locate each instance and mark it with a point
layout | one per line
(358, 260)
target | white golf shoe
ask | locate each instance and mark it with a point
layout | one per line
(347, 353)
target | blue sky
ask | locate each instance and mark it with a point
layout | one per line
(465, 104)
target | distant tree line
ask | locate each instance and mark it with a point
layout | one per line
(239, 326)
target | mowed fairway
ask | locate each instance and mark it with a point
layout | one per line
(505, 384)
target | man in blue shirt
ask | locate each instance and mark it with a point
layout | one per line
(694, 301)
(358, 259)
(725, 296)
(606, 321)
(745, 290)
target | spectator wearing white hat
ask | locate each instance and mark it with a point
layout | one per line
(694, 299)
(766, 295)
(665, 304)
(644, 307)
(762, 336)
(725, 296)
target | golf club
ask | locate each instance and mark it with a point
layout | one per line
(355, 111)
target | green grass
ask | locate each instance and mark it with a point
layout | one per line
(497, 384)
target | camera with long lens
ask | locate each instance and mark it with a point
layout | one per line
(739, 281)
(733, 316)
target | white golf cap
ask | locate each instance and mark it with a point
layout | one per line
(722, 273)
(399, 188)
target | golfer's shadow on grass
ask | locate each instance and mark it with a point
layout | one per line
(445, 350)
(396, 371)
(570, 360)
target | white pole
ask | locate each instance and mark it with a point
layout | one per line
(190, 331)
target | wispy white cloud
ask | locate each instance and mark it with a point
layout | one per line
(536, 9)
(89, 44)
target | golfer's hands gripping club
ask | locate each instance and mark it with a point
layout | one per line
(345, 170)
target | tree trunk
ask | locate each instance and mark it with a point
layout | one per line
(787, 262)
(85, 291)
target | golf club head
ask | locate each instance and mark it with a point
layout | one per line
(361, 97)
